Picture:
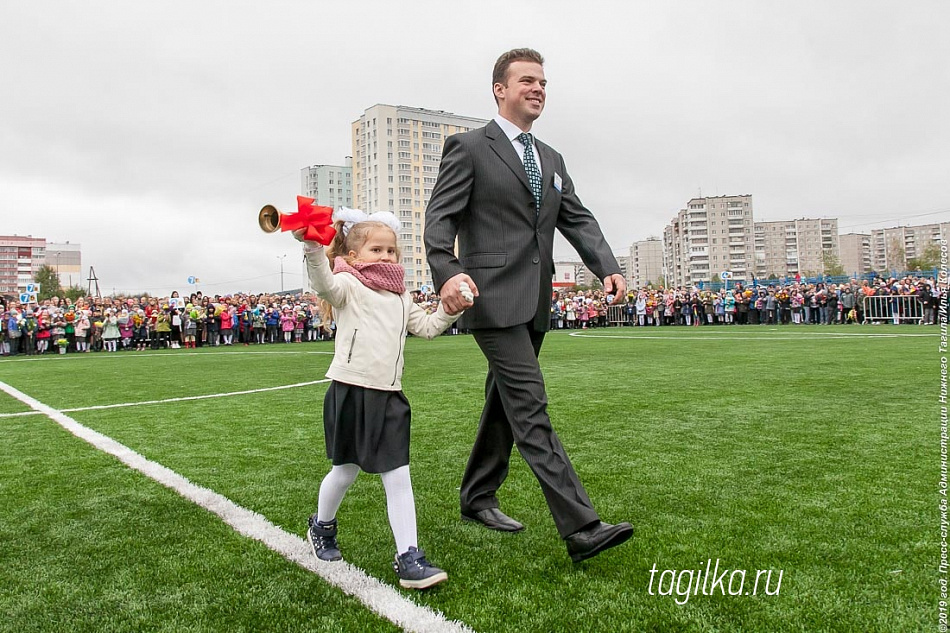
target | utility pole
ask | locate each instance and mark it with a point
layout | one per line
(281, 258)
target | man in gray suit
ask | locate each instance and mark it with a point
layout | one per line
(502, 194)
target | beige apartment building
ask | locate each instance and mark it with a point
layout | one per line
(855, 253)
(645, 263)
(66, 259)
(396, 156)
(709, 236)
(891, 248)
(787, 248)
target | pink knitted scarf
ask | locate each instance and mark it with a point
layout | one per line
(375, 275)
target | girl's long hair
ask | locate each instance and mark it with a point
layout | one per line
(341, 247)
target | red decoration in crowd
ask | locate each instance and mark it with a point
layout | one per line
(317, 220)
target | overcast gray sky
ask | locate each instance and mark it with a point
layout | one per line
(152, 133)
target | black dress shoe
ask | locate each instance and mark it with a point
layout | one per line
(592, 541)
(493, 519)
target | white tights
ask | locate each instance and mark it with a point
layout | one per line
(399, 500)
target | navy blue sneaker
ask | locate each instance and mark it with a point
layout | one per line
(415, 572)
(322, 537)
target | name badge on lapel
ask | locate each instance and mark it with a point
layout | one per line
(557, 181)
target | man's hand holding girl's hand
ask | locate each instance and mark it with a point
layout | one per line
(458, 293)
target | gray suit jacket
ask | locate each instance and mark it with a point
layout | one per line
(482, 196)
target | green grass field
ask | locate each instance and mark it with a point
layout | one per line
(810, 450)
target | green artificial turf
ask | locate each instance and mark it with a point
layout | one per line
(803, 449)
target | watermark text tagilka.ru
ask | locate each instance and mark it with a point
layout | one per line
(711, 580)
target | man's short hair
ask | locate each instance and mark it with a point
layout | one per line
(500, 72)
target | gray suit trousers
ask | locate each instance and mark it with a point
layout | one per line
(516, 413)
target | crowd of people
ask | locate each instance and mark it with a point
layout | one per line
(773, 303)
(112, 324)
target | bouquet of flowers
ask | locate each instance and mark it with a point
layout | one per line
(62, 344)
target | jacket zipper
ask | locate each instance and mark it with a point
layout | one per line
(402, 342)
(352, 343)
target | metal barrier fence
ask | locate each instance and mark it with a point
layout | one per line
(825, 279)
(617, 314)
(892, 309)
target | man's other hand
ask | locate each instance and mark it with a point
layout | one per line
(617, 286)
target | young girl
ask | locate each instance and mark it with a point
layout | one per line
(82, 330)
(43, 332)
(126, 329)
(365, 414)
(227, 322)
(190, 325)
(110, 331)
(287, 323)
(301, 317)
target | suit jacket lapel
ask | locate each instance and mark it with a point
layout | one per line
(501, 145)
(548, 167)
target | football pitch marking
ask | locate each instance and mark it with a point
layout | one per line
(379, 597)
(770, 334)
(181, 399)
(130, 354)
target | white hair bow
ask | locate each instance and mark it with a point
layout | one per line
(354, 216)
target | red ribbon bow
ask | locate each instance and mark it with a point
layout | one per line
(317, 220)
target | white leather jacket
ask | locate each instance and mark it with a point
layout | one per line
(371, 326)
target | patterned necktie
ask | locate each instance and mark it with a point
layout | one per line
(531, 168)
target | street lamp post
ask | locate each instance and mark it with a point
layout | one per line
(281, 258)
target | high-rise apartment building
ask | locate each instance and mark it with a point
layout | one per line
(787, 248)
(646, 263)
(20, 259)
(396, 156)
(710, 235)
(328, 185)
(891, 248)
(855, 253)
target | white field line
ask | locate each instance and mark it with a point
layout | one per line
(181, 399)
(376, 595)
(76, 355)
(752, 337)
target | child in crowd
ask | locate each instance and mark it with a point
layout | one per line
(140, 330)
(110, 331)
(257, 321)
(227, 324)
(287, 323)
(298, 326)
(313, 334)
(190, 325)
(82, 327)
(58, 328)
(43, 332)
(126, 329)
(365, 414)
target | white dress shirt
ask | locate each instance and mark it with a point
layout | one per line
(512, 131)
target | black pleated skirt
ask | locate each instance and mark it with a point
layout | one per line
(366, 427)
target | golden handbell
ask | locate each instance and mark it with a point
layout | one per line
(269, 218)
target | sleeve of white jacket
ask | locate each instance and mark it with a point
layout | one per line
(426, 325)
(329, 287)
